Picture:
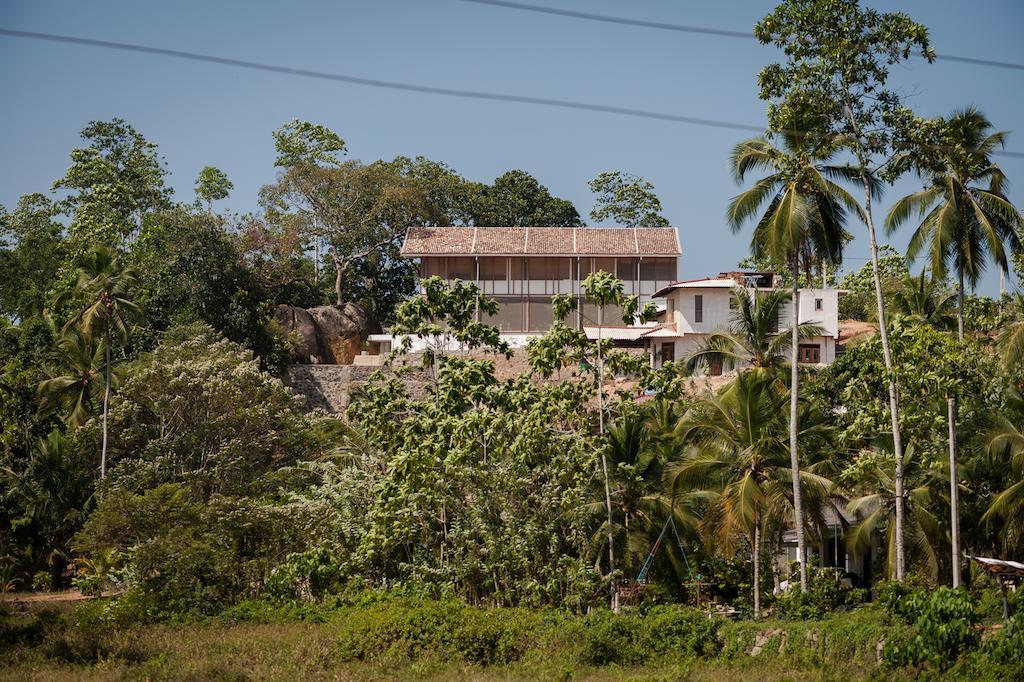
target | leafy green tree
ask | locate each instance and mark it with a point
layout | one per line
(199, 411)
(105, 288)
(1010, 340)
(963, 224)
(805, 220)
(627, 199)
(303, 143)
(636, 460)
(604, 289)
(859, 303)
(517, 199)
(32, 251)
(874, 503)
(112, 184)
(753, 337)
(212, 185)
(832, 86)
(359, 210)
(736, 459)
(54, 491)
(191, 269)
(445, 317)
(1006, 446)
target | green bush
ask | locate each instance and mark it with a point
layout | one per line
(1006, 647)
(306, 576)
(42, 581)
(825, 593)
(944, 628)
(412, 628)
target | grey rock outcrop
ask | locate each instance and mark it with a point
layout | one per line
(326, 334)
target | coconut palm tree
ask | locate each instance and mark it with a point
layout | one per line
(753, 337)
(104, 288)
(77, 385)
(966, 219)
(925, 496)
(736, 461)
(635, 447)
(1010, 340)
(804, 221)
(924, 300)
(1006, 444)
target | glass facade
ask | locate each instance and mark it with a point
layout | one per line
(524, 285)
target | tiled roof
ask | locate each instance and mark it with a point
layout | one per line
(570, 241)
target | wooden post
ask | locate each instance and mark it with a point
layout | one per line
(1006, 603)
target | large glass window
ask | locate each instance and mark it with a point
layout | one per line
(461, 268)
(494, 275)
(541, 314)
(432, 267)
(510, 315)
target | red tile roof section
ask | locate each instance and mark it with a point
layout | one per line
(574, 241)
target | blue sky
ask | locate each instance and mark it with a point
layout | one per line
(203, 114)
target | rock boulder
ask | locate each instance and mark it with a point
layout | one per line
(326, 334)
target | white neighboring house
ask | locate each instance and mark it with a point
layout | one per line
(694, 309)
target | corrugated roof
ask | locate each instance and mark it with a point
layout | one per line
(703, 283)
(568, 241)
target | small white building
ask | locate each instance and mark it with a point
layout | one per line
(694, 309)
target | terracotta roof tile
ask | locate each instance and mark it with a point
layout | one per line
(582, 241)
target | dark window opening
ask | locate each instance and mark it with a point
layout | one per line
(809, 353)
(668, 352)
(698, 308)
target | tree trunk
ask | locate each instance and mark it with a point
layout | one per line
(757, 565)
(894, 413)
(614, 601)
(954, 493)
(338, 273)
(794, 460)
(106, 405)
(960, 308)
(894, 409)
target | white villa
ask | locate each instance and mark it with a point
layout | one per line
(696, 308)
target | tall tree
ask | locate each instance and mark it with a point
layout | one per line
(104, 288)
(963, 224)
(359, 210)
(212, 185)
(804, 222)
(112, 184)
(966, 218)
(627, 199)
(924, 300)
(833, 85)
(517, 199)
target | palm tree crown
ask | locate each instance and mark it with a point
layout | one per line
(966, 218)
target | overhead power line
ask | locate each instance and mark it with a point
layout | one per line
(683, 28)
(396, 85)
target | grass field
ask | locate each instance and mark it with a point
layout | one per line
(440, 641)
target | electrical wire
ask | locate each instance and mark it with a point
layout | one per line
(395, 85)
